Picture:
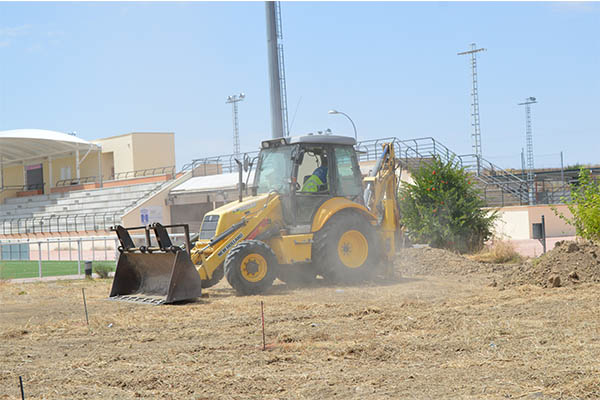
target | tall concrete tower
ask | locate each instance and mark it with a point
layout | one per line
(278, 90)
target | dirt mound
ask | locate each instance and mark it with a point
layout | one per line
(430, 261)
(569, 263)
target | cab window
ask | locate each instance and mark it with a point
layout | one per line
(274, 170)
(313, 173)
(349, 180)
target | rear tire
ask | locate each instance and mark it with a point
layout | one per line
(345, 250)
(250, 267)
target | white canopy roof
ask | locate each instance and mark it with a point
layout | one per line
(21, 145)
(211, 183)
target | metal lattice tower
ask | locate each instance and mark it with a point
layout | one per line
(282, 84)
(236, 127)
(529, 145)
(476, 135)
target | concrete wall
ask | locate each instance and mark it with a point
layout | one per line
(122, 149)
(133, 217)
(155, 149)
(13, 175)
(137, 150)
(515, 222)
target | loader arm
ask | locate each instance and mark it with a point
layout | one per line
(381, 197)
(208, 256)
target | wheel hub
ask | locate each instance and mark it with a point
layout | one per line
(254, 267)
(353, 249)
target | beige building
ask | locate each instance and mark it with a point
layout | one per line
(137, 151)
(34, 161)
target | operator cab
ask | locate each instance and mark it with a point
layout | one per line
(307, 171)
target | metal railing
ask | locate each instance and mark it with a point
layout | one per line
(32, 186)
(495, 196)
(215, 165)
(490, 174)
(82, 222)
(138, 173)
(484, 172)
(411, 153)
(75, 181)
(159, 171)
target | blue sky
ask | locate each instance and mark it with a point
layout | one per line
(103, 69)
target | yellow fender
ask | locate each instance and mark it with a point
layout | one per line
(332, 207)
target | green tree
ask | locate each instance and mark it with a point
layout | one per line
(443, 208)
(584, 206)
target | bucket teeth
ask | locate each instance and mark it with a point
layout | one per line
(139, 299)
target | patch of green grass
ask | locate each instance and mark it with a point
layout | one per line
(29, 269)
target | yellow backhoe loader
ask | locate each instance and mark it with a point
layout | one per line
(310, 213)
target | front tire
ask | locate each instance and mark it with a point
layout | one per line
(250, 267)
(345, 249)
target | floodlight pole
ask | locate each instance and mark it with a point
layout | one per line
(233, 100)
(529, 142)
(476, 135)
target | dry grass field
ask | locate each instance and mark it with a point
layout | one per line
(447, 327)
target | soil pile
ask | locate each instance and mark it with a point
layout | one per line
(430, 261)
(569, 263)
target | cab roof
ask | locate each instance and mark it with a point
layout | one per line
(311, 139)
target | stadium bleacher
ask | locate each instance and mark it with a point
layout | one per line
(82, 210)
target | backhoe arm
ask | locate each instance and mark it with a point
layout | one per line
(381, 197)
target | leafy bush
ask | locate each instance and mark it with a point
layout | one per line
(584, 206)
(102, 270)
(443, 208)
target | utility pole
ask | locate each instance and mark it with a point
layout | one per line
(233, 100)
(476, 135)
(522, 162)
(562, 170)
(529, 144)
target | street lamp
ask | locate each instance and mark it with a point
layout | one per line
(347, 116)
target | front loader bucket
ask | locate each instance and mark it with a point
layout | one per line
(155, 278)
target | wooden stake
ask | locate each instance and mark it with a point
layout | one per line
(262, 315)
(87, 320)
(21, 385)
